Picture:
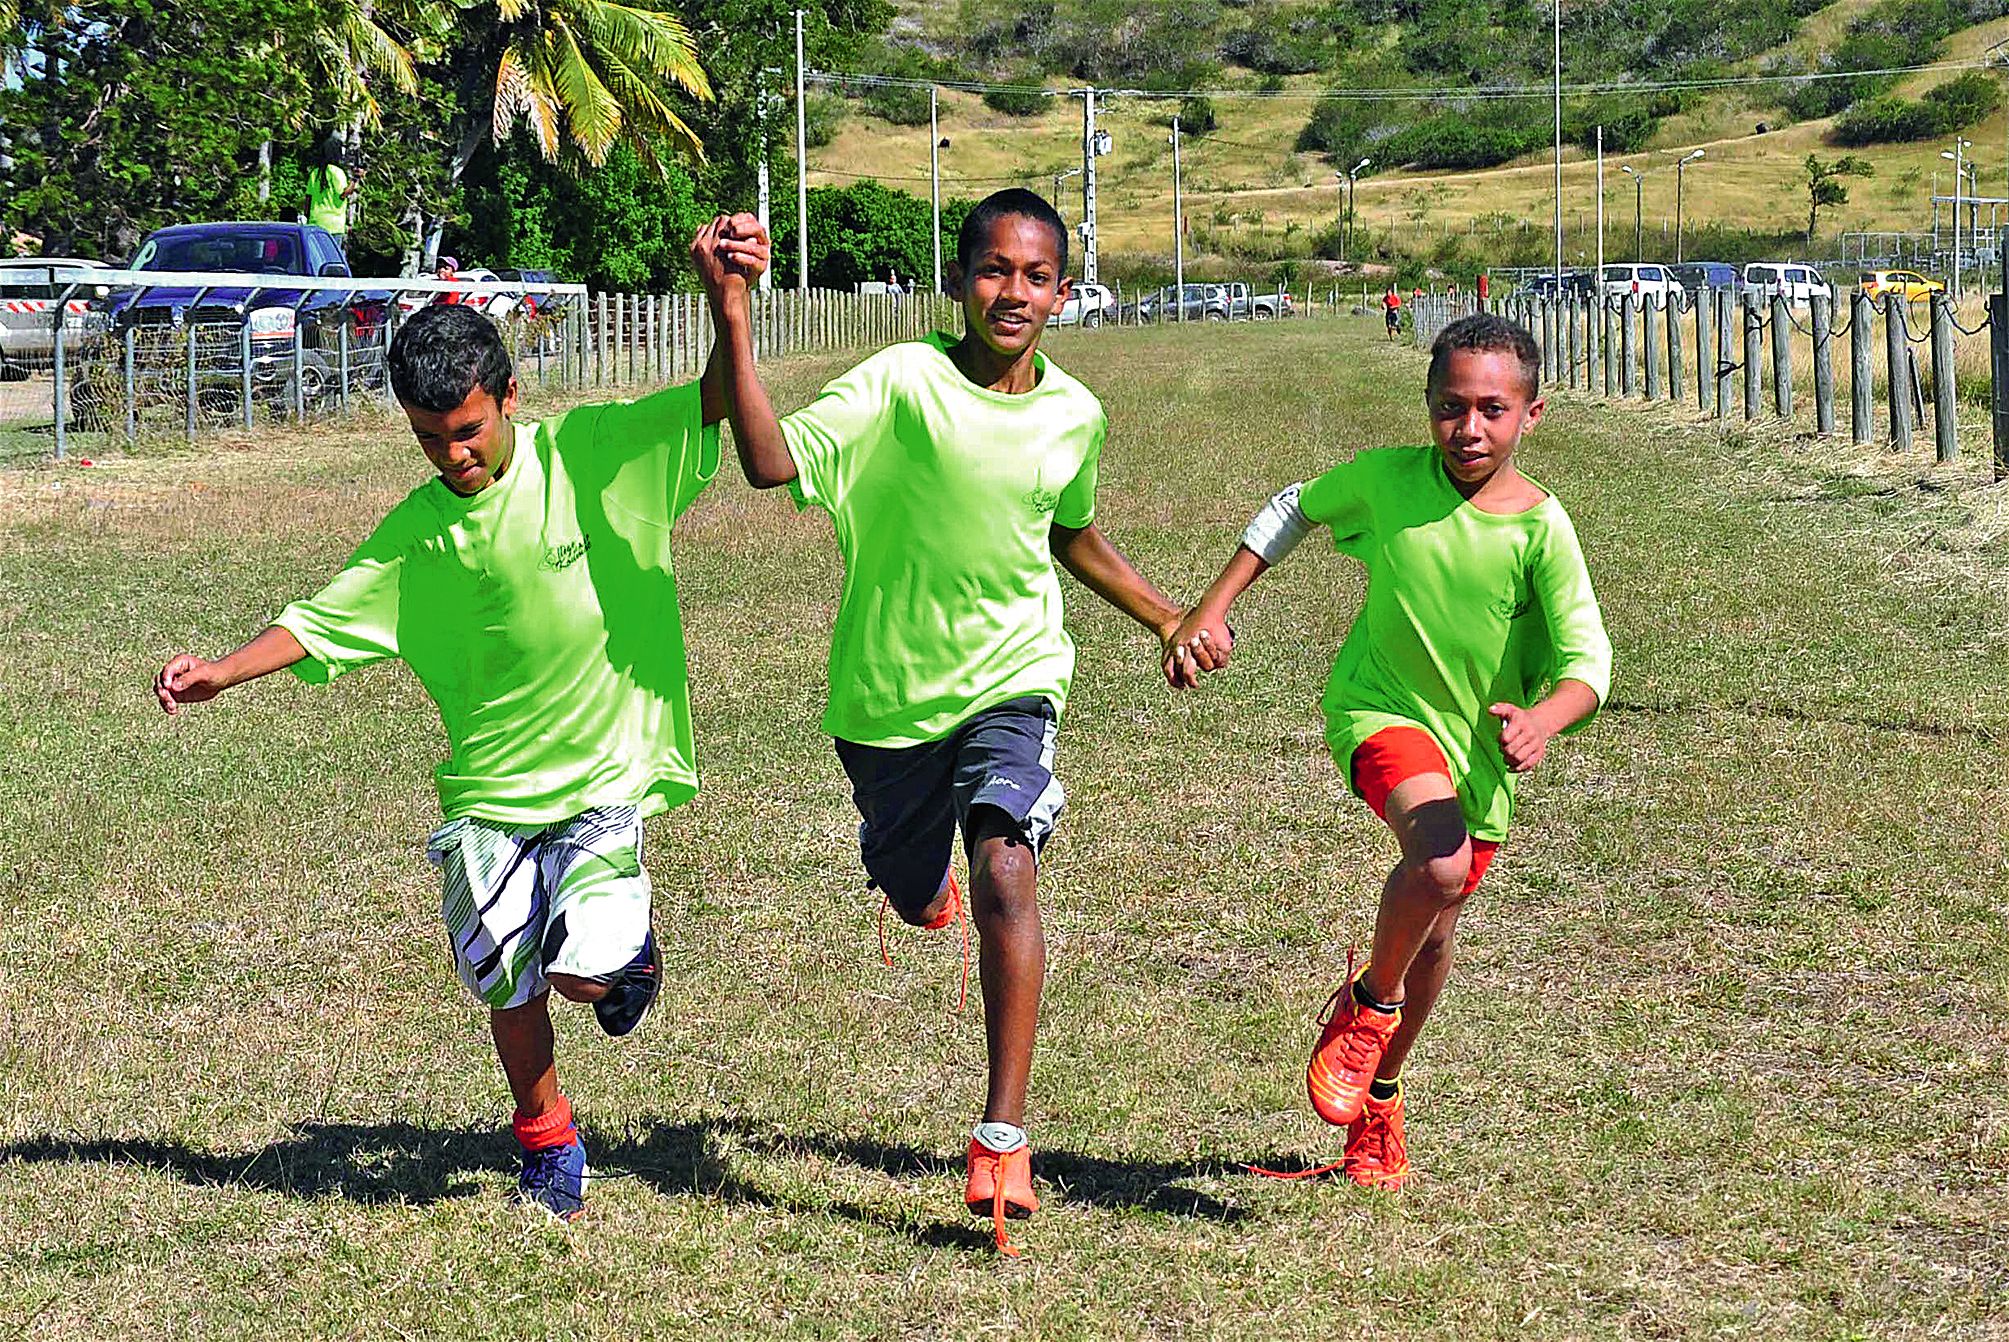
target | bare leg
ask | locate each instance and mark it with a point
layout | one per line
(1011, 961)
(575, 989)
(1421, 987)
(1436, 858)
(523, 1043)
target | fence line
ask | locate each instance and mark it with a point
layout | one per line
(1928, 359)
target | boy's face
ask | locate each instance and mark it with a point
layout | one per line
(470, 444)
(1013, 284)
(1479, 408)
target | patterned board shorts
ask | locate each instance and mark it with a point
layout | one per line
(525, 901)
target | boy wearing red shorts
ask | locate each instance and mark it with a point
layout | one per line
(1480, 640)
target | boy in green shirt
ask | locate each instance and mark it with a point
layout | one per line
(1478, 603)
(529, 588)
(955, 471)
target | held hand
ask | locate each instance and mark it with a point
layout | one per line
(186, 679)
(1196, 643)
(1523, 738)
(744, 246)
(714, 273)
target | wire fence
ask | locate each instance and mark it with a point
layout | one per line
(98, 359)
(1895, 366)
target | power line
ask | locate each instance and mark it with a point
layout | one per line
(923, 177)
(1414, 94)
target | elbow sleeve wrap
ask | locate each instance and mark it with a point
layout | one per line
(1276, 530)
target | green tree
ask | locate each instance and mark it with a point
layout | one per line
(125, 115)
(1824, 185)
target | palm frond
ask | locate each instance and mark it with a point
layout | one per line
(651, 119)
(593, 113)
(657, 42)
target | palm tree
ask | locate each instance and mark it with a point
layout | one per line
(584, 72)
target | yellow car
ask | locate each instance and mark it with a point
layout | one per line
(1907, 284)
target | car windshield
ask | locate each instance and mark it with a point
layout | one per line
(247, 253)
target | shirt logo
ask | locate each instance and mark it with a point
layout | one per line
(564, 556)
(1041, 500)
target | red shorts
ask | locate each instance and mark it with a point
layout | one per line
(1393, 756)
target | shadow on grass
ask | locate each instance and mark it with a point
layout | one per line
(388, 1163)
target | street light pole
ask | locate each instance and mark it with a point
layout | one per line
(1959, 166)
(1339, 180)
(1559, 137)
(1599, 288)
(1679, 165)
(1178, 234)
(1638, 197)
(935, 182)
(1352, 176)
(801, 168)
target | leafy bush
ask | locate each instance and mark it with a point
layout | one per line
(1196, 115)
(1023, 101)
(1628, 123)
(822, 116)
(1344, 129)
(1950, 107)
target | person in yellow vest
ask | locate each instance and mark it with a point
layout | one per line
(328, 192)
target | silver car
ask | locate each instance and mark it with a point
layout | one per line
(28, 314)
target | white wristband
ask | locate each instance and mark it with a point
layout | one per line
(1275, 531)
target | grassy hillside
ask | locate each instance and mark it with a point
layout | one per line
(1248, 183)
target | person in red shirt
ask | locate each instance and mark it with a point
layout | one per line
(1392, 303)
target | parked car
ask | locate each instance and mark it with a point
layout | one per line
(1694, 276)
(1906, 284)
(28, 313)
(1086, 305)
(266, 311)
(538, 304)
(1243, 306)
(1797, 280)
(1642, 281)
(1196, 302)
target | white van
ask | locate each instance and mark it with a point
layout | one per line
(1797, 280)
(1642, 281)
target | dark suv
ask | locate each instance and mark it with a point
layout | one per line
(219, 319)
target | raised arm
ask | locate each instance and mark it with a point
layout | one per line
(729, 253)
(188, 679)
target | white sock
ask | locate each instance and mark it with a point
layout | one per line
(1000, 1137)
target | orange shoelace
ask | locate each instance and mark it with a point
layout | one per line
(962, 919)
(1005, 1246)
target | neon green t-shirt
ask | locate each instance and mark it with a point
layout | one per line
(327, 206)
(1464, 609)
(540, 614)
(942, 494)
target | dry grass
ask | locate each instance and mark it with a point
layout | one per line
(1724, 1055)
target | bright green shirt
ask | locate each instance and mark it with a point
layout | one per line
(942, 494)
(540, 614)
(1465, 609)
(327, 204)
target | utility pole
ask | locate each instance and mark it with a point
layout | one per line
(1960, 146)
(1559, 139)
(1088, 151)
(1339, 180)
(801, 168)
(1178, 232)
(935, 182)
(1638, 199)
(760, 114)
(1352, 176)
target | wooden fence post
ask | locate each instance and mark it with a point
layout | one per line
(1754, 355)
(1651, 316)
(1726, 368)
(1862, 376)
(1604, 342)
(1898, 372)
(1705, 347)
(1824, 366)
(1673, 316)
(1782, 356)
(1945, 409)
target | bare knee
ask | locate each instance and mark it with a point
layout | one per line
(1004, 879)
(1443, 878)
(575, 989)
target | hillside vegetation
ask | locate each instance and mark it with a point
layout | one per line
(1453, 179)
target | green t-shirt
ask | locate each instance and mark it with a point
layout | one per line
(327, 206)
(1464, 609)
(540, 614)
(942, 494)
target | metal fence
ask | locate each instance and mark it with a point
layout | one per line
(1906, 367)
(101, 358)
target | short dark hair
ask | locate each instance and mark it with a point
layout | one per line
(1013, 200)
(1488, 333)
(443, 353)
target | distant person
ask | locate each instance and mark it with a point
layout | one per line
(560, 680)
(328, 193)
(1391, 306)
(448, 269)
(1480, 642)
(893, 282)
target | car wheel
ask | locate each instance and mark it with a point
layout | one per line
(90, 407)
(1263, 314)
(1216, 315)
(1092, 320)
(317, 384)
(12, 372)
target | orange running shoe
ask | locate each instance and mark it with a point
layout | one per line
(951, 912)
(1349, 1049)
(1376, 1156)
(1000, 1187)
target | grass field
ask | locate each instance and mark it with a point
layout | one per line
(1724, 1055)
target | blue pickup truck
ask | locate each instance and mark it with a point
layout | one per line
(219, 318)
